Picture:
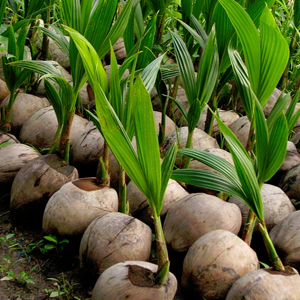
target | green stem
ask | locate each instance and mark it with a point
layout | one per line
(65, 136)
(102, 177)
(162, 253)
(249, 228)
(123, 192)
(161, 18)
(189, 144)
(275, 260)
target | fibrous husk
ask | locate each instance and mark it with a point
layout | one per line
(24, 107)
(277, 206)
(133, 280)
(197, 214)
(241, 129)
(227, 117)
(214, 262)
(114, 238)
(85, 154)
(35, 183)
(8, 138)
(267, 284)
(290, 183)
(139, 207)
(75, 205)
(12, 158)
(292, 158)
(120, 50)
(40, 129)
(4, 91)
(201, 140)
(286, 239)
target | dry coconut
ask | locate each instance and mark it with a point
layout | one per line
(197, 214)
(75, 205)
(24, 107)
(277, 205)
(201, 140)
(39, 130)
(286, 239)
(133, 280)
(13, 157)
(290, 183)
(241, 129)
(8, 138)
(4, 91)
(114, 238)
(214, 262)
(35, 183)
(139, 207)
(267, 284)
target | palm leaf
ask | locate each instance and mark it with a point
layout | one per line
(208, 180)
(277, 146)
(248, 37)
(244, 169)
(274, 56)
(186, 67)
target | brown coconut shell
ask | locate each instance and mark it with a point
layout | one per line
(114, 238)
(4, 91)
(35, 184)
(214, 262)
(13, 157)
(8, 138)
(277, 206)
(75, 205)
(286, 239)
(139, 207)
(24, 107)
(133, 280)
(267, 284)
(290, 183)
(241, 129)
(201, 140)
(197, 214)
(39, 130)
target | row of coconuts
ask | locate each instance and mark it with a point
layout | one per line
(202, 231)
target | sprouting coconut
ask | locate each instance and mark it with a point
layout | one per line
(197, 214)
(25, 105)
(12, 158)
(286, 239)
(35, 183)
(214, 262)
(8, 138)
(139, 206)
(132, 280)
(113, 238)
(266, 284)
(277, 206)
(143, 165)
(289, 183)
(75, 205)
(241, 129)
(201, 140)
(4, 92)
(39, 130)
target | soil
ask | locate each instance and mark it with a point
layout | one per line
(37, 275)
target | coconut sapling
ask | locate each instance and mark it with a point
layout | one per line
(256, 82)
(143, 166)
(14, 77)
